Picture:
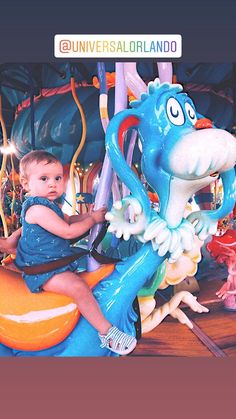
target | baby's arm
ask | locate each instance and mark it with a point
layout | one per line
(50, 221)
(71, 219)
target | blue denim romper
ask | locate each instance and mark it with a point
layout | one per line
(37, 246)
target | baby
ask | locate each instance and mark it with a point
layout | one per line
(45, 237)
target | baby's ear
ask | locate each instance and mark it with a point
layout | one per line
(24, 183)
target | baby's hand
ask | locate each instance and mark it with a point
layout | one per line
(99, 215)
(9, 244)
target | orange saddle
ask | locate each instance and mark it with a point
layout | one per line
(38, 321)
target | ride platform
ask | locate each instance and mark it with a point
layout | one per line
(213, 333)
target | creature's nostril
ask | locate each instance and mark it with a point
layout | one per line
(203, 123)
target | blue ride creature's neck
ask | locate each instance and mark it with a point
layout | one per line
(115, 295)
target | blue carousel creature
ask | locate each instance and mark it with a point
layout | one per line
(180, 155)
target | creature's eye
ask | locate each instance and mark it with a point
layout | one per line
(174, 112)
(191, 113)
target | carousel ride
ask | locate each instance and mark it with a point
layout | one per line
(181, 152)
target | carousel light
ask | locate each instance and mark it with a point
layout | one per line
(9, 149)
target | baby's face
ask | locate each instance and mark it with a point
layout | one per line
(45, 180)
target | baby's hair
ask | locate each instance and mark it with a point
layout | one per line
(36, 156)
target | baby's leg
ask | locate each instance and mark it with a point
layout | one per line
(71, 284)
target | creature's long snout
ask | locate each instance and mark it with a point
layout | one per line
(203, 152)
